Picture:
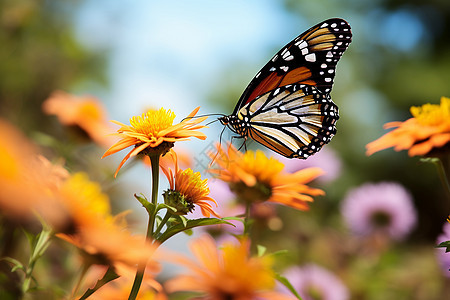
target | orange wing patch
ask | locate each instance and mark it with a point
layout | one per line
(298, 75)
(269, 83)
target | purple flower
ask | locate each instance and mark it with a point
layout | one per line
(326, 159)
(314, 282)
(444, 257)
(384, 207)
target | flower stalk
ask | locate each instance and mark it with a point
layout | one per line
(154, 159)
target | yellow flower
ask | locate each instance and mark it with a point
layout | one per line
(153, 133)
(256, 178)
(85, 112)
(427, 133)
(84, 201)
(186, 189)
(226, 272)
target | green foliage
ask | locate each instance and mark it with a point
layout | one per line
(40, 54)
(181, 224)
(445, 245)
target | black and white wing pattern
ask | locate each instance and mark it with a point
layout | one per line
(287, 106)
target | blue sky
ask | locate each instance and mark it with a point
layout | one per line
(171, 52)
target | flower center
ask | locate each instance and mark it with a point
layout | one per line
(432, 114)
(9, 168)
(315, 293)
(260, 192)
(381, 219)
(91, 111)
(153, 121)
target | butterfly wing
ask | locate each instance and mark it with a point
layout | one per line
(294, 120)
(310, 59)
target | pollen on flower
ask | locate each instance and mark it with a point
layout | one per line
(426, 134)
(432, 114)
(153, 121)
(153, 133)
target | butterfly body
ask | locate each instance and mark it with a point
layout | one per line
(287, 106)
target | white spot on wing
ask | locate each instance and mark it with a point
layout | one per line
(311, 57)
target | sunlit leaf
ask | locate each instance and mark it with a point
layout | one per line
(172, 230)
(283, 280)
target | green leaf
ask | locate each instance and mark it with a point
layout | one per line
(260, 250)
(189, 232)
(110, 275)
(234, 219)
(283, 280)
(150, 207)
(180, 227)
(444, 245)
(165, 206)
(184, 220)
(17, 265)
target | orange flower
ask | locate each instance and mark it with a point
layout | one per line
(153, 132)
(186, 189)
(226, 272)
(256, 178)
(120, 289)
(102, 238)
(85, 112)
(27, 181)
(426, 133)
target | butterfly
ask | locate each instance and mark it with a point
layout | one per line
(287, 106)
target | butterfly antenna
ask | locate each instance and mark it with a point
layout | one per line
(244, 145)
(209, 123)
(220, 145)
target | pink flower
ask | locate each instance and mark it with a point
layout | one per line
(314, 282)
(385, 207)
(444, 257)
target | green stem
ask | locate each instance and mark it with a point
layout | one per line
(154, 159)
(42, 243)
(163, 222)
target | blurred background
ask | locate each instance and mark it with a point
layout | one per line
(134, 55)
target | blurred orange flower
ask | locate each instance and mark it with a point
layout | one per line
(256, 178)
(102, 238)
(27, 181)
(85, 112)
(427, 133)
(225, 272)
(153, 132)
(186, 189)
(120, 288)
